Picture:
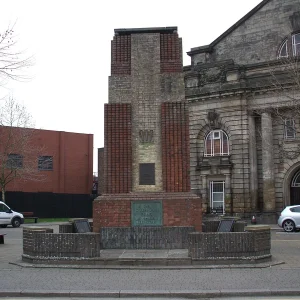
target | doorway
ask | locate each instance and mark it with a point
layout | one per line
(295, 189)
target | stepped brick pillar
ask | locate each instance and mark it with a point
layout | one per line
(146, 151)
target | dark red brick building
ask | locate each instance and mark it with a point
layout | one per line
(62, 164)
(71, 171)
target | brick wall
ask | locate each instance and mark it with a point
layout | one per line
(72, 163)
(101, 175)
(170, 53)
(179, 209)
(118, 157)
(41, 244)
(121, 55)
(230, 245)
(175, 147)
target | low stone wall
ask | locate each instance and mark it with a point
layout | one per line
(69, 227)
(212, 226)
(145, 237)
(253, 244)
(41, 244)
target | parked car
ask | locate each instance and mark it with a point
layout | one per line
(289, 218)
(9, 217)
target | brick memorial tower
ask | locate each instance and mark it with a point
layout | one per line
(145, 172)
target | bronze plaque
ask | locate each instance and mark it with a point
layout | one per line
(147, 174)
(146, 213)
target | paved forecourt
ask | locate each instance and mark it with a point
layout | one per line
(279, 279)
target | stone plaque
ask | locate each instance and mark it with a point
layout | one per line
(146, 213)
(147, 174)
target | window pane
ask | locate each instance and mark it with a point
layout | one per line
(218, 187)
(2, 208)
(14, 161)
(283, 50)
(225, 147)
(209, 137)
(290, 131)
(296, 44)
(297, 38)
(217, 144)
(296, 179)
(297, 50)
(208, 147)
(45, 163)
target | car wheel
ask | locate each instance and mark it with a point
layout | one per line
(3, 226)
(288, 226)
(16, 222)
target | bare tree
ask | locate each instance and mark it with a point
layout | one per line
(285, 81)
(282, 80)
(12, 61)
(18, 151)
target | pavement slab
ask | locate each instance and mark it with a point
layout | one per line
(28, 280)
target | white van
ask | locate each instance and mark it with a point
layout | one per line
(9, 217)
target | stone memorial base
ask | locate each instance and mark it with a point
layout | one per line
(155, 209)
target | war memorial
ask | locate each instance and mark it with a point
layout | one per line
(147, 201)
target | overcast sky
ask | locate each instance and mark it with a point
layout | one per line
(70, 40)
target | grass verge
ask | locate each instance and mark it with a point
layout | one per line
(47, 220)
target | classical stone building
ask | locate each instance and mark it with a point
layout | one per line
(242, 93)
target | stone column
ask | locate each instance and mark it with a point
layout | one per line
(227, 201)
(253, 162)
(204, 192)
(267, 163)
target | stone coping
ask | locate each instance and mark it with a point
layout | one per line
(257, 227)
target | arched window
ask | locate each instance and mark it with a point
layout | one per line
(216, 143)
(283, 50)
(296, 180)
(290, 46)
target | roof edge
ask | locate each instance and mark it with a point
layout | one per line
(204, 49)
(127, 31)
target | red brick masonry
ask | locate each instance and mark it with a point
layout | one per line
(175, 147)
(117, 140)
(179, 209)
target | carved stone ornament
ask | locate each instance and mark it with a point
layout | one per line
(212, 75)
(213, 119)
(289, 150)
(146, 136)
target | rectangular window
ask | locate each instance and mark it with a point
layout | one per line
(296, 44)
(45, 163)
(147, 174)
(289, 129)
(14, 161)
(217, 191)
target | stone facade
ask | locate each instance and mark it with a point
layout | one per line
(234, 89)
